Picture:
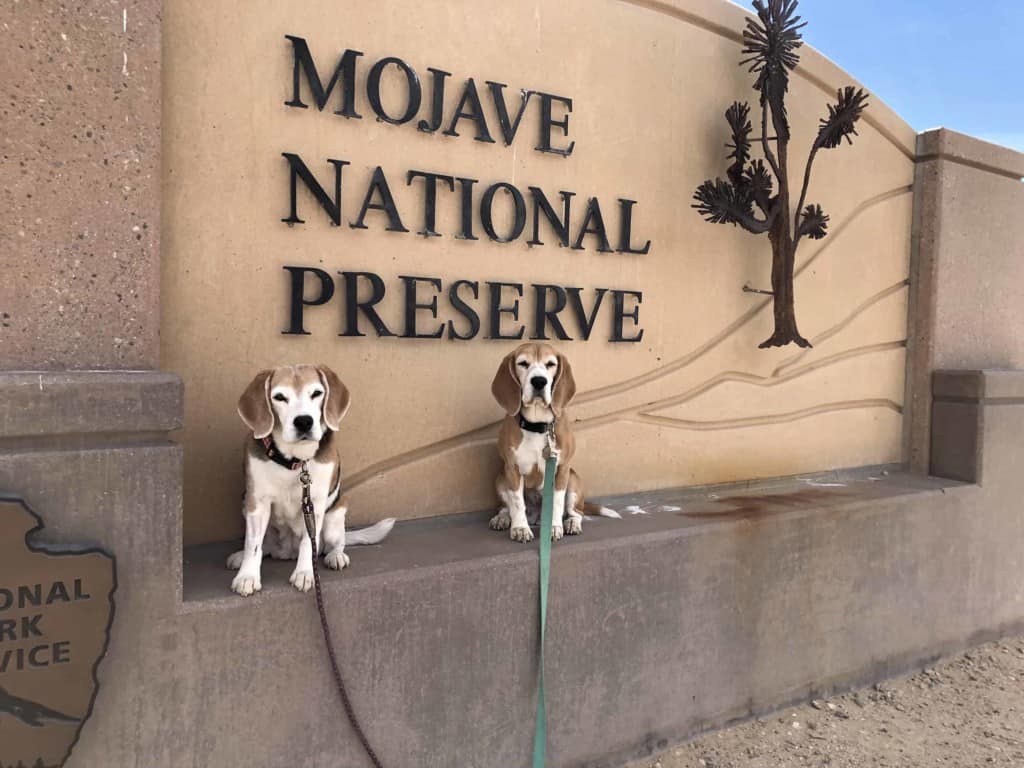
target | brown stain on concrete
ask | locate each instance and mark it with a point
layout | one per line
(759, 506)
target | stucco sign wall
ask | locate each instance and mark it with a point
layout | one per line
(402, 191)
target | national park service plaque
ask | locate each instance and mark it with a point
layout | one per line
(56, 609)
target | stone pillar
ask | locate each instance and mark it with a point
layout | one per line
(80, 185)
(84, 414)
(967, 270)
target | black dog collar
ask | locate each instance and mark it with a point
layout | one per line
(537, 427)
(277, 457)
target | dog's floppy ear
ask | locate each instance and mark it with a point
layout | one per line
(254, 405)
(565, 386)
(505, 387)
(336, 397)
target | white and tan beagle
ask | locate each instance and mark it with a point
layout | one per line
(535, 384)
(294, 413)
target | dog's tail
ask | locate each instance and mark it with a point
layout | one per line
(374, 534)
(596, 510)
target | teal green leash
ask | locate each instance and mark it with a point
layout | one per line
(540, 732)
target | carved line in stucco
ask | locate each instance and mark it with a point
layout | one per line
(758, 421)
(485, 434)
(737, 37)
(736, 376)
(845, 322)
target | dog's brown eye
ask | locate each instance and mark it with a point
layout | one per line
(280, 398)
(550, 365)
(316, 394)
(523, 364)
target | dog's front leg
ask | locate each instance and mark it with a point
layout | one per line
(334, 538)
(558, 514)
(257, 516)
(302, 576)
(558, 507)
(512, 497)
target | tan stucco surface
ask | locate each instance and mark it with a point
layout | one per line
(695, 402)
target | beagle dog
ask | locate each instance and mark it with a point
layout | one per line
(294, 413)
(535, 384)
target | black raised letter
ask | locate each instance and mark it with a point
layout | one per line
(430, 198)
(467, 210)
(296, 170)
(379, 186)
(437, 102)
(586, 322)
(346, 68)
(475, 113)
(626, 229)
(298, 297)
(547, 123)
(497, 310)
(412, 304)
(464, 309)
(509, 128)
(593, 224)
(543, 315)
(486, 218)
(353, 305)
(620, 314)
(412, 81)
(561, 226)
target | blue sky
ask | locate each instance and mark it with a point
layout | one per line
(951, 63)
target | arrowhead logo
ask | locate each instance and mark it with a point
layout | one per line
(56, 610)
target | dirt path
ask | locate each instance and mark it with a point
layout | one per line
(965, 712)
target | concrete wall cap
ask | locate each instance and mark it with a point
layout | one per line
(35, 404)
(978, 386)
(961, 148)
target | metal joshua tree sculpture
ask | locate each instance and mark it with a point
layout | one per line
(747, 197)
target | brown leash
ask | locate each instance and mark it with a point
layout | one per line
(307, 514)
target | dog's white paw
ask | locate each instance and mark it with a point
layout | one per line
(574, 527)
(501, 521)
(336, 560)
(246, 584)
(522, 535)
(234, 561)
(301, 580)
(556, 532)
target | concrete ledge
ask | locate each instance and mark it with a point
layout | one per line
(967, 150)
(89, 402)
(717, 605)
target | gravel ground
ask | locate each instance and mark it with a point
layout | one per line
(965, 712)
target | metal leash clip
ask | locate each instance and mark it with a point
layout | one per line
(551, 451)
(307, 506)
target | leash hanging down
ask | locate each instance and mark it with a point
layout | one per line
(546, 518)
(307, 514)
(540, 729)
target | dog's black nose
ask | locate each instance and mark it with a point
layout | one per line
(303, 423)
(539, 382)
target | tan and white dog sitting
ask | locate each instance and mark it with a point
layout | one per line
(534, 384)
(294, 413)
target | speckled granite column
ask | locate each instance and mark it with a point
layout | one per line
(79, 185)
(83, 431)
(967, 272)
